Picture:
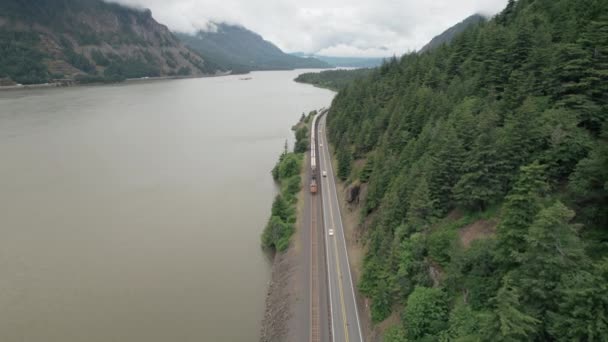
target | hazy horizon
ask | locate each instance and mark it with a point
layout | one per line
(337, 28)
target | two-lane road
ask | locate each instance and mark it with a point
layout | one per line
(344, 315)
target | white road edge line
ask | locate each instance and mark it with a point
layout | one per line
(343, 239)
(331, 306)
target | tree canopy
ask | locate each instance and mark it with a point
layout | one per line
(501, 133)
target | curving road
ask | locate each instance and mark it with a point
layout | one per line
(344, 316)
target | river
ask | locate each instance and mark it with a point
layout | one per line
(133, 212)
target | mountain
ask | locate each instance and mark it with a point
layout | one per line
(449, 34)
(89, 40)
(346, 62)
(478, 175)
(241, 50)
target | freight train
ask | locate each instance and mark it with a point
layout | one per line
(313, 151)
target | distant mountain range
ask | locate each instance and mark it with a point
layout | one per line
(449, 34)
(92, 41)
(89, 40)
(240, 50)
(339, 79)
(347, 62)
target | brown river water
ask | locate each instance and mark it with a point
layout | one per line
(133, 212)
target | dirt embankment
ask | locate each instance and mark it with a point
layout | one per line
(284, 294)
(279, 299)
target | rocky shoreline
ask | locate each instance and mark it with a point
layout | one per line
(279, 299)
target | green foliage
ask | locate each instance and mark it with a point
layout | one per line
(280, 227)
(394, 334)
(475, 272)
(289, 166)
(77, 60)
(421, 211)
(20, 59)
(345, 161)
(521, 206)
(440, 245)
(582, 314)
(589, 184)
(464, 324)
(511, 115)
(302, 141)
(508, 322)
(99, 58)
(333, 79)
(277, 234)
(426, 313)
(553, 251)
(131, 68)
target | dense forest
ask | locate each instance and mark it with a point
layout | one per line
(333, 79)
(484, 169)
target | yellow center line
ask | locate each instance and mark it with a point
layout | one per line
(331, 215)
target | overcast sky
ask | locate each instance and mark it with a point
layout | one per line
(327, 27)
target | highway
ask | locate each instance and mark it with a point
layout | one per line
(344, 316)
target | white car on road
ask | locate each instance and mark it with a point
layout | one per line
(324, 173)
(331, 232)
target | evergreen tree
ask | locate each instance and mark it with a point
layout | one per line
(344, 161)
(553, 251)
(582, 314)
(521, 207)
(455, 132)
(446, 168)
(589, 183)
(480, 185)
(426, 313)
(508, 322)
(422, 207)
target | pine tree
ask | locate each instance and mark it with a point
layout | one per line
(508, 322)
(480, 185)
(446, 168)
(521, 207)
(553, 251)
(582, 314)
(344, 157)
(422, 206)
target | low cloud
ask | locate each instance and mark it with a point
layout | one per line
(329, 27)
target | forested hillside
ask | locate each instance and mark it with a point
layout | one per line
(345, 62)
(448, 35)
(483, 168)
(89, 40)
(241, 50)
(333, 79)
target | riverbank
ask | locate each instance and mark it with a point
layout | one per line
(287, 304)
(77, 83)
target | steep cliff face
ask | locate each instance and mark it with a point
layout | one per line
(89, 39)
